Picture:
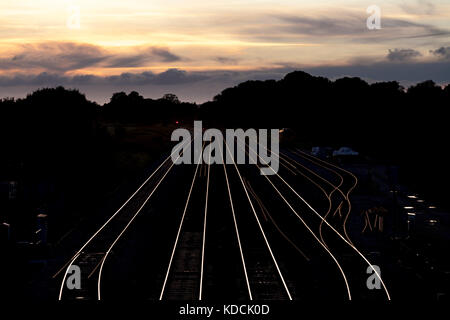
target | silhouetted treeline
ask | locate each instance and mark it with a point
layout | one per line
(383, 120)
(345, 110)
(56, 127)
(46, 129)
(135, 108)
(63, 150)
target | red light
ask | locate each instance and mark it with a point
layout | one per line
(177, 122)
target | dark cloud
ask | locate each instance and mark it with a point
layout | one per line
(226, 60)
(204, 85)
(66, 56)
(127, 78)
(126, 61)
(147, 55)
(55, 57)
(165, 55)
(324, 26)
(425, 7)
(406, 72)
(400, 55)
(168, 77)
(348, 24)
(189, 86)
(443, 53)
(176, 76)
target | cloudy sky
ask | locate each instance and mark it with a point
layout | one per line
(196, 48)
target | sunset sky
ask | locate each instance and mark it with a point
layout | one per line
(196, 48)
